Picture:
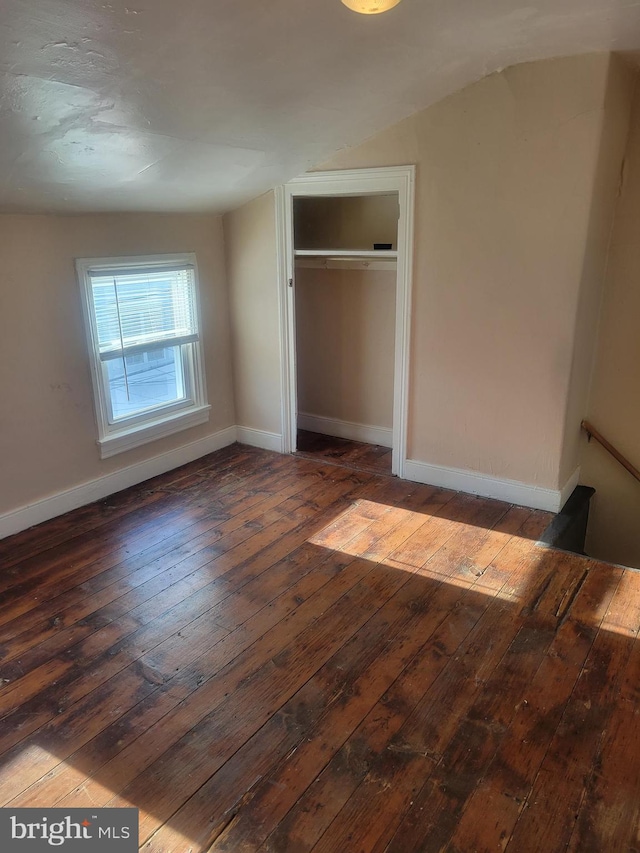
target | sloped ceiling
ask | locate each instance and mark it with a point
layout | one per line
(199, 105)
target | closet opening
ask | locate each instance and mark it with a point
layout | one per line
(345, 266)
(345, 250)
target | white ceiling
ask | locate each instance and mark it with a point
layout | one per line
(200, 105)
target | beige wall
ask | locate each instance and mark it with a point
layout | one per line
(508, 173)
(47, 426)
(606, 184)
(345, 344)
(516, 177)
(250, 242)
(349, 222)
(614, 407)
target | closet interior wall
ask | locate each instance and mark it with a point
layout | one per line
(345, 314)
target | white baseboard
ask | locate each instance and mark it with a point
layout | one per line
(510, 491)
(569, 486)
(94, 490)
(346, 429)
(259, 438)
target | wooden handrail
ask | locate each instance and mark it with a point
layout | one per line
(591, 431)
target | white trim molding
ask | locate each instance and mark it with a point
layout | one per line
(567, 490)
(287, 384)
(388, 179)
(119, 433)
(510, 491)
(144, 433)
(94, 490)
(260, 438)
(346, 429)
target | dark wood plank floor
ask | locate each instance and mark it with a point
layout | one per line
(342, 451)
(267, 653)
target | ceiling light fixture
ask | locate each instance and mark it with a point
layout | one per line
(370, 7)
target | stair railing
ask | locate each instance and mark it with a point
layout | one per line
(592, 432)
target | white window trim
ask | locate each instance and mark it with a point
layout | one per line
(117, 438)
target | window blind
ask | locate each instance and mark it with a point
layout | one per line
(141, 309)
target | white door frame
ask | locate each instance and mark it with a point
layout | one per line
(394, 179)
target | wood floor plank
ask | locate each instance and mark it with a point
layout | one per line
(36, 540)
(202, 800)
(218, 736)
(549, 813)
(125, 510)
(279, 791)
(343, 830)
(49, 580)
(96, 658)
(230, 659)
(196, 665)
(610, 813)
(420, 746)
(276, 653)
(236, 540)
(436, 808)
(346, 771)
(99, 569)
(232, 662)
(494, 808)
(368, 661)
(340, 451)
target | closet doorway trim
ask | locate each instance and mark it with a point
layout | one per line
(394, 179)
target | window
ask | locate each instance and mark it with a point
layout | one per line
(143, 329)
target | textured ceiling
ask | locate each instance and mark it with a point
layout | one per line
(202, 104)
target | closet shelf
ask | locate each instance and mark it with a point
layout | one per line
(356, 254)
(371, 259)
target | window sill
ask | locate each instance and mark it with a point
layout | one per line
(127, 439)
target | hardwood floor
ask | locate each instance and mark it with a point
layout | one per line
(341, 451)
(267, 653)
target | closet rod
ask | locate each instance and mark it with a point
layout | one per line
(348, 263)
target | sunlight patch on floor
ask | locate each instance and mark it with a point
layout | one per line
(399, 538)
(46, 777)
